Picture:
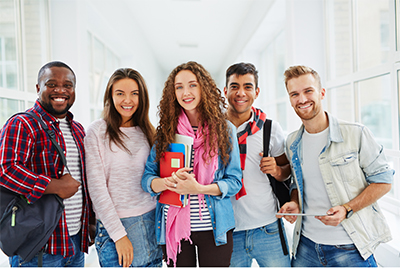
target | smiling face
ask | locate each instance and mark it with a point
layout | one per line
(125, 95)
(56, 90)
(305, 96)
(241, 92)
(187, 91)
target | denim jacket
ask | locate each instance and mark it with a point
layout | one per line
(349, 162)
(228, 179)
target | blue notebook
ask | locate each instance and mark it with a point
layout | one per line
(180, 148)
(177, 148)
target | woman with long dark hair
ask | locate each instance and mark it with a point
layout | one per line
(117, 147)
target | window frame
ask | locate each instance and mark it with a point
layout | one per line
(390, 203)
(96, 106)
(22, 93)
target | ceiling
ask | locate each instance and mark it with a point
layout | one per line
(211, 32)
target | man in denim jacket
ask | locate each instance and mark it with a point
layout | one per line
(340, 172)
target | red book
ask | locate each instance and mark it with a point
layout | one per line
(172, 161)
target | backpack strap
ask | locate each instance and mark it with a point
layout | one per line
(52, 138)
(272, 180)
(60, 152)
(267, 136)
(266, 141)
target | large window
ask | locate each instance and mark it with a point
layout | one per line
(344, 96)
(398, 25)
(376, 106)
(372, 31)
(23, 49)
(363, 73)
(339, 38)
(8, 46)
(102, 63)
(274, 92)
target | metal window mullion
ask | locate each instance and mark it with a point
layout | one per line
(353, 19)
(45, 29)
(4, 63)
(21, 55)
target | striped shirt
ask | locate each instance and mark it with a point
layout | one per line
(73, 205)
(197, 223)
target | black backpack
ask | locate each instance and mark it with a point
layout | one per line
(26, 228)
(281, 189)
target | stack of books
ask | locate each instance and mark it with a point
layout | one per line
(178, 156)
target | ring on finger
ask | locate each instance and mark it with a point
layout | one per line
(175, 185)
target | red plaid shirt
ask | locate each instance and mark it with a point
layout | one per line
(28, 161)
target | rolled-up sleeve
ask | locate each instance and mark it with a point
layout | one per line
(373, 160)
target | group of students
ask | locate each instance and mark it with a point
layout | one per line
(231, 217)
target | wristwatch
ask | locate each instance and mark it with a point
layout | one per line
(349, 210)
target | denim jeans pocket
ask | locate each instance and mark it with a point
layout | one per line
(102, 236)
(348, 247)
(271, 229)
(141, 232)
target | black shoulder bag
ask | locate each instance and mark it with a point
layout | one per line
(26, 228)
(281, 189)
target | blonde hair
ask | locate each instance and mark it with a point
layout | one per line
(299, 70)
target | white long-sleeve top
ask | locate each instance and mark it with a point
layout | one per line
(114, 176)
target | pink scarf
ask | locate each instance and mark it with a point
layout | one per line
(178, 219)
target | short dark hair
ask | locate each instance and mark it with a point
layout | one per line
(53, 64)
(242, 69)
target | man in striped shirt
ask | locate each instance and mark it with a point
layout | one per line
(30, 165)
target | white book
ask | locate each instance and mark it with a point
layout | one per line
(188, 142)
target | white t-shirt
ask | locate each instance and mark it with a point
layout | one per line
(114, 176)
(316, 198)
(258, 207)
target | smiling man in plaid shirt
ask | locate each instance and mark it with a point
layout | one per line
(30, 165)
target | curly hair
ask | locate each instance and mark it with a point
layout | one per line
(139, 118)
(210, 109)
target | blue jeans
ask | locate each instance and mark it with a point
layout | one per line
(141, 233)
(262, 244)
(49, 260)
(310, 254)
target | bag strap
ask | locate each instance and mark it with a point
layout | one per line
(63, 159)
(267, 137)
(52, 138)
(272, 180)
(60, 152)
